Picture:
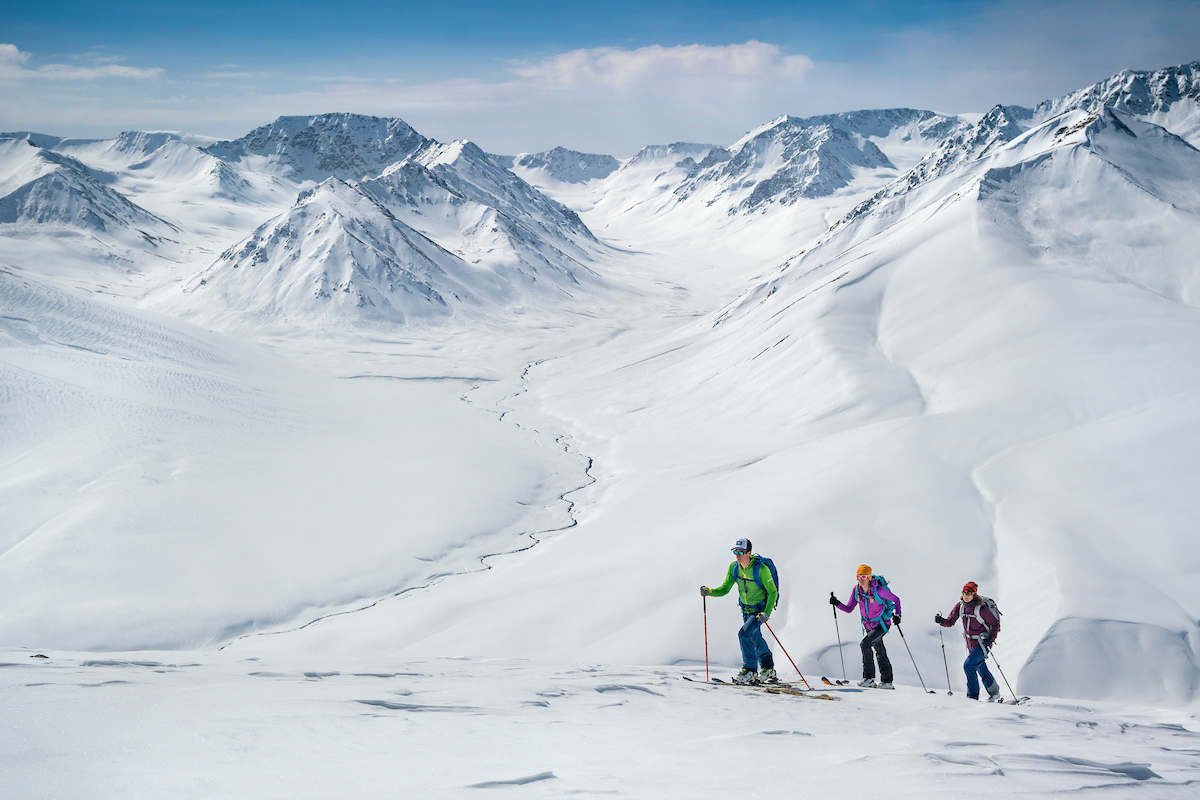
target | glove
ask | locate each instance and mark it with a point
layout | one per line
(705, 591)
(895, 619)
(990, 643)
(833, 601)
(762, 616)
(939, 619)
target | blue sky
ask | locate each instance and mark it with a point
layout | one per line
(522, 76)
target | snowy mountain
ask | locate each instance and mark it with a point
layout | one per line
(1169, 97)
(164, 159)
(779, 163)
(442, 228)
(345, 146)
(345, 251)
(829, 159)
(474, 175)
(559, 165)
(339, 250)
(43, 187)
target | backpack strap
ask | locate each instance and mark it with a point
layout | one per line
(757, 564)
(977, 615)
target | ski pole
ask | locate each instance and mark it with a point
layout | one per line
(704, 599)
(988, 650)
(945, 663)
(837, 628)
(914, 661)
(785, 652)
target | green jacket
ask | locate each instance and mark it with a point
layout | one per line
(750, 594)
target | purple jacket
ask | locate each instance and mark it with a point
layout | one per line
(973, 629)
(871, 610)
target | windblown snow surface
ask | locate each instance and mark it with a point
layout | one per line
(336, 460)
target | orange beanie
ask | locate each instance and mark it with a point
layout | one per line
(863, 569)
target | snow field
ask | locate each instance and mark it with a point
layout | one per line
(329, 725)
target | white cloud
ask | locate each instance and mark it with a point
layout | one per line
(620, 68)
(232, 74)
(13, 60)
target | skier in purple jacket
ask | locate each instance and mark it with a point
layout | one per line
(880, 609)
(981, 626)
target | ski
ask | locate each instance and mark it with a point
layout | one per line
(828, 682)
(781, 687)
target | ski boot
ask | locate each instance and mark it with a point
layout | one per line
(768, 675)
(994, 694)
(885, 685)
(747, 677)
(867, 683)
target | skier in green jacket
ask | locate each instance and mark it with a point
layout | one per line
(756, 595)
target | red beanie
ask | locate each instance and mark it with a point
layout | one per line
(971, 586)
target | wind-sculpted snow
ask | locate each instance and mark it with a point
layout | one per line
(519, 728)
(346, 146)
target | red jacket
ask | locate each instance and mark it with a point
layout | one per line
(975, 630)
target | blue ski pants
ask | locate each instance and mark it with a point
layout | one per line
(976, 667)
(754, 646)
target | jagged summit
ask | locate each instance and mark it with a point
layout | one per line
(476, 176)
(788, 160)
(342, 145)
(1169, 96)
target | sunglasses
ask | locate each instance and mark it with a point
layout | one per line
(739, 552)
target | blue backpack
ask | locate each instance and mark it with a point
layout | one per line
(759, 562)
(889, 608)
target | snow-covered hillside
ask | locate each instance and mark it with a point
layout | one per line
(496, 422)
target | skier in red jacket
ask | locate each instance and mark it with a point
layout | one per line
(981, 625)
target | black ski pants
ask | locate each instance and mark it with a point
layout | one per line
(874, 640)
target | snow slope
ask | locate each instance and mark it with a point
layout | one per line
(323, 725)
(991, 376)
(166, 486)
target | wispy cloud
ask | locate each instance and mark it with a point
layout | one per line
(13, 67)
(627, 68)
(233, 75)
